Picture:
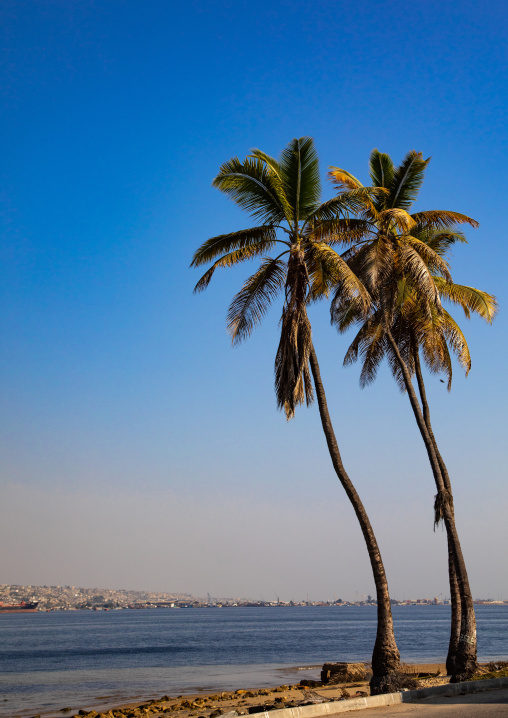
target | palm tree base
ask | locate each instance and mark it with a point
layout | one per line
(465, 675)
(391, 683)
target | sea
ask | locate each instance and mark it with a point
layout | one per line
(99, 659)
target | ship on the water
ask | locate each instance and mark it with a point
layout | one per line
(19, 607)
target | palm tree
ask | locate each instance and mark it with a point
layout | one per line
(437, 335)
(284, 197)
(400, 262)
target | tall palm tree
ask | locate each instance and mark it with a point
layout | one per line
(420, 328)
(400, 270)
(284, 197)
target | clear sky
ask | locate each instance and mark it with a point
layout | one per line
(138, 448)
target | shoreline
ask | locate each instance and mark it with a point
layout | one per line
(211, 704)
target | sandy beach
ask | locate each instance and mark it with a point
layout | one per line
(231, 703)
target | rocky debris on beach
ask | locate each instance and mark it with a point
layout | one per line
(243, 702)
(334, 673)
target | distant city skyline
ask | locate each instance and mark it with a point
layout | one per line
(82, 598)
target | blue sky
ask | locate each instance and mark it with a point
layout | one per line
(139, 449)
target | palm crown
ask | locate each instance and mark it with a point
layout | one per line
(402, 259)
(284, 197)
(391, 246)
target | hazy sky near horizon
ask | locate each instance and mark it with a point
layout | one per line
(138, 448)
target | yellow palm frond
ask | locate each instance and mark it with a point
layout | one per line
(343, 180)
(469, 298)
(397, 218)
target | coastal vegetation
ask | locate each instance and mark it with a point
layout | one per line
(389, 278)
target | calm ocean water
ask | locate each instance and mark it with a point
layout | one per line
(83, 659)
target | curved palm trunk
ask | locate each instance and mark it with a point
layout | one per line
(455, 598)
(455, 627)
(386, 657)
(466, 654)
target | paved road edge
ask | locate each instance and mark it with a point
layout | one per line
(388, 699)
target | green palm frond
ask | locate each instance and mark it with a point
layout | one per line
(277, 180)
(381, 169)
(440, 241)
(407, 180)
(226, 243)
(252, 302)
(299, 173)
(228, 260)
(251, 185)
(270, 161)
(469, 298)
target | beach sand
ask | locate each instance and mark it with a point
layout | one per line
(213, 705)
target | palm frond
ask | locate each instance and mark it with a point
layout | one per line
(338, 231)
(226, 243)
(277, 180)
(442, 219)
(435, 348)
(397, 219)
(375, 263)
(343, 180)
(272, 163)
(228, 260)
(469, 298)
(433, 261)
(354, 201)
(250, 184)
(299, 172)
(407, 180)
(344, 314)
(252, 302)
(372, 353)
(447, 366)
(440, 241)
(336, 273)
(414, 267)
(381, 169)
(403, 339)
(361, 339)
(457, 341)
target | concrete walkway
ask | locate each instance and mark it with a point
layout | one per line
(488, 704)
(485, 699)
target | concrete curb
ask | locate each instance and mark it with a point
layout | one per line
(387, 699)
